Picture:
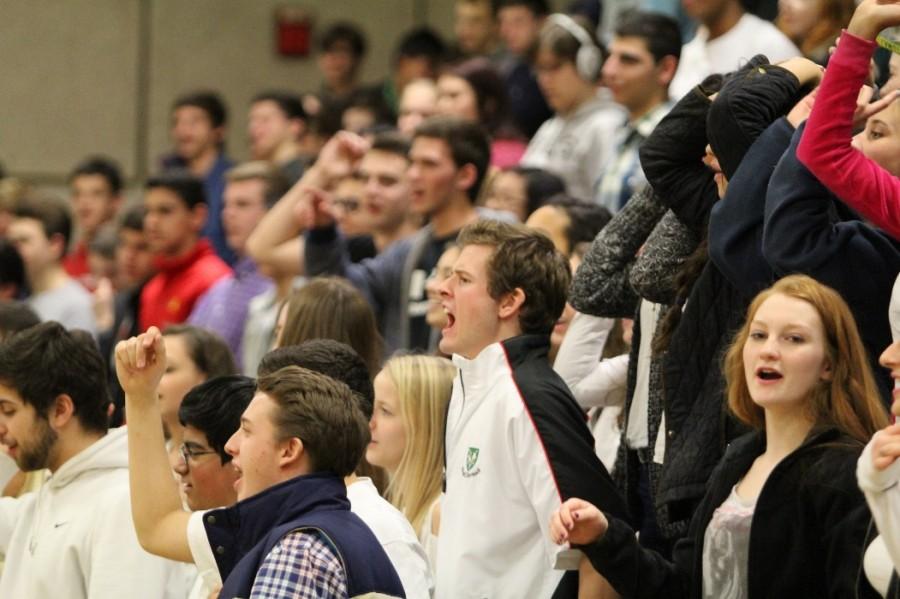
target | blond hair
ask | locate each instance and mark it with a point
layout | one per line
(423, 387)
(850, 400)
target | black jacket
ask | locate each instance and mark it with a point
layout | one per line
(806, 540)
(698, 426)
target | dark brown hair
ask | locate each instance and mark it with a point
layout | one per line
(209, 352)
(48, 210)
(322, 413)
(468, 143)
(523, 259)
(332, 308)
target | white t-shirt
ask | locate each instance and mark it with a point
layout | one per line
(396, 536)
(636, 428)
(702, 56)
(208, 570)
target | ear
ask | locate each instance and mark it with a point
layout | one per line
(666, 69)
(511, 304)
(199, 214)
(57, 245)
(8, 291)
(466, 177)
(827, 372)
(298, 128)
(291, 452)
(61, 411)
(219, 133)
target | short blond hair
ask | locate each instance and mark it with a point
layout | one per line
(276, 184)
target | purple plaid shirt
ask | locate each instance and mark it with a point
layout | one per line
(223, 308)
(303, 565)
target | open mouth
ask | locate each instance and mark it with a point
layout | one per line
(768, 374)
(450, 320)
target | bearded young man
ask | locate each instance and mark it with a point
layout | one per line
(74, 535)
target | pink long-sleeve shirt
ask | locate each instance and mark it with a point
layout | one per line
(825, 146)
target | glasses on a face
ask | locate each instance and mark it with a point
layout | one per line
(190, 454)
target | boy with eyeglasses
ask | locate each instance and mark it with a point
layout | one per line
(210, 413)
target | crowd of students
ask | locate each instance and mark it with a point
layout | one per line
(565, 308)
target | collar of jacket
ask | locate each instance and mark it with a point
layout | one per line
(481, 371)
(751, 445)
(166, 264)
(235, 530)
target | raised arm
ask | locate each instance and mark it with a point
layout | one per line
(276, 241)
(654, 272)
(826, 148)
(753, 104)
(672, 157)
(805, 232)
(601, 285)
(736, 223)
(159, 519)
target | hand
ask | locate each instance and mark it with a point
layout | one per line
(140, 363)
(800, 111)
(314, 210)
(339, 157)
(805, 70)
(577, 522)
(104, 301)
(865, 109)
(886, 446)
(871, 16)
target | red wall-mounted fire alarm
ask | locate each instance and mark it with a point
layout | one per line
(293, 31)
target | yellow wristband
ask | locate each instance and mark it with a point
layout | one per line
(888, 44)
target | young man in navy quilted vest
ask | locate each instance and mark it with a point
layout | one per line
(291, 531)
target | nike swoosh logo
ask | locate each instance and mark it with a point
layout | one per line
(58, 524)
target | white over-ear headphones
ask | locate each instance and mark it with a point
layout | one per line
(589, 58)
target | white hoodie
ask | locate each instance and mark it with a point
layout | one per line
(74, 537)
